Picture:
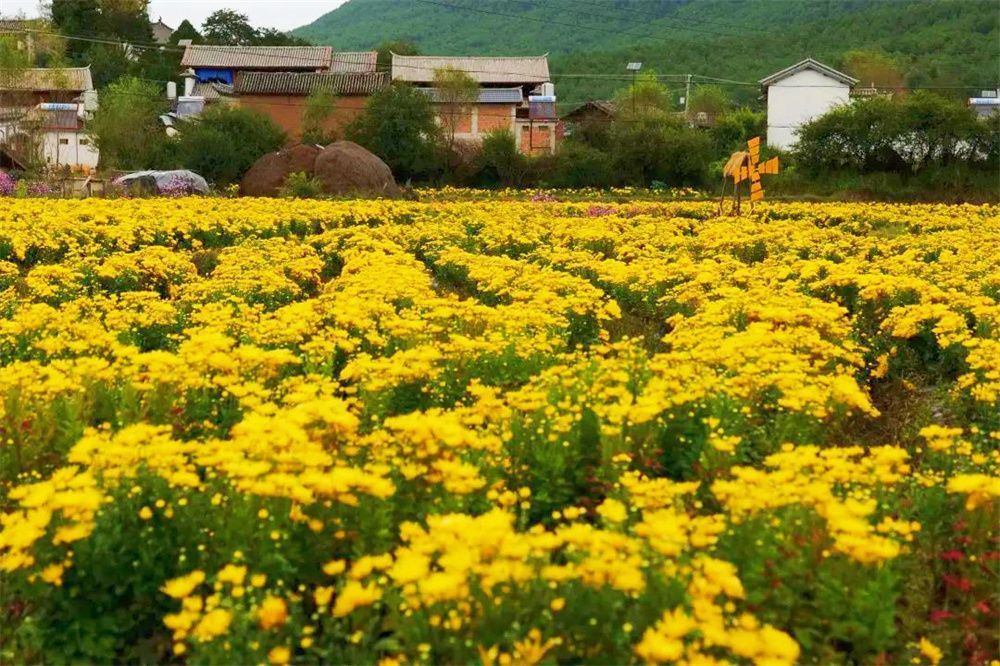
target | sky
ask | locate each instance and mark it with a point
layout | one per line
(280, 14)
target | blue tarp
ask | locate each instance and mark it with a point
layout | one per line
(209, 74)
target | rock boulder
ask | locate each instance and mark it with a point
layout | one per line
(268, 174)
(344, 167)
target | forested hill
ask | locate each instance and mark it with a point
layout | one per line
(933, 43)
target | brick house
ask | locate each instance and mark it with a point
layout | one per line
(515, 93)
(277, 80)
(282, 96)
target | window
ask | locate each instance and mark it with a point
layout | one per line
(63, 142)
(84, 142)
(525, 128)
(543, 128)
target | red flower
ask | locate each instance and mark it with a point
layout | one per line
(957, 582)
(953, 555)
(983, 607)
(938, 616)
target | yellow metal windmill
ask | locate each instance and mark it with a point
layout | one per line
(746, 165)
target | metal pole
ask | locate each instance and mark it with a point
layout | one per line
(687, 96)
(633, 93)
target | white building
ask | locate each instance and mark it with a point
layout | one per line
(64, 142)
(801, 93)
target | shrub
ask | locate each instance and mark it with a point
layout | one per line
(579, 165)
(300, 185)
(501, 163)
(667, 150)
(897, 135)
(398, 125)
(226, 141)
(126, 127)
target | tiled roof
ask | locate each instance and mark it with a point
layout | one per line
(486, 95)
(211, 91)
(487, 69)
(258, 57)
(73, 79)
(64, 119)
(601, 105)
(809, 63)
(352, 62)
(303, 83)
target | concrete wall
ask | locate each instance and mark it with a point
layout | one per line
(287, 110)
(794, 101)
(69, 148)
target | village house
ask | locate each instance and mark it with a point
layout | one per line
(276, 81)
(283, 96)
(210, 64)
(515, 93)
(986, 105)
(43, 117)
(799, 94)
(161, 32)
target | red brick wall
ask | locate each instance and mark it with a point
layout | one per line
(287, 110)
(494, 117)
(535, 139)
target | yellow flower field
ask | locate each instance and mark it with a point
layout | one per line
(498, 431)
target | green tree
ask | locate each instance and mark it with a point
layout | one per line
(399, 47)
(186, 31)
(226, 141)
(126, 127)
(398, 126)
(320, 105)
(732, 130)
(662, 148)
(873, 69)
(647, 97)
(228, 27)
(711, 100)
(501, 163)
(77, 17)
(457, 93)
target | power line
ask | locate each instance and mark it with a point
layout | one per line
(334, 59)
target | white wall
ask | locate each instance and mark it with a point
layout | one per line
(77, 151)
(794, 101)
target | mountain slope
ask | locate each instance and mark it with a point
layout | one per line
(934, 42)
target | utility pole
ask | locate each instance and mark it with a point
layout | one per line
(687, 96)
(633, 67)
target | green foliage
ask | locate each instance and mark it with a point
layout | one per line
(397, 46)
(301, 185)
(456, 93)
(225, 142)
(667, 150)
(712, 100)
(319, 105)
(398, 125)
(229, 27)
(938, 42)
(873, 68)
(733, 128)
(501, 162)
(645, 98)
(578, 164)
(186, 31)
(908, 133)
(125, 127)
